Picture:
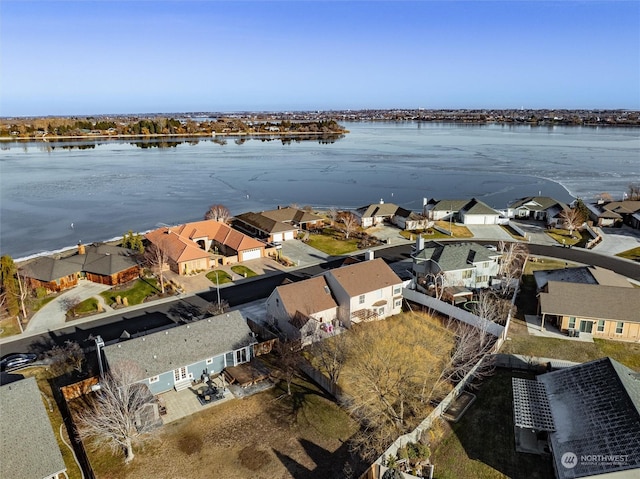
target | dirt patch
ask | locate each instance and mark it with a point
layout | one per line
(253, 459)
(190, 443)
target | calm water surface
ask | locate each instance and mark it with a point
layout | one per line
(112, 187)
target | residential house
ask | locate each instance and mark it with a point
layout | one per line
(610, 312)
(410, 220)
(467, 264)
(615, 213)
(363, 291)
(104, 264)
(174, 357)
(469, 212)
(198, 246)
(29, 447)
(300, 309)
(589, 415)
(375, 214)
(541, 208)
(275, 226)
(580, 274)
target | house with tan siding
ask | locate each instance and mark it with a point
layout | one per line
(275, 226)
(610, 312)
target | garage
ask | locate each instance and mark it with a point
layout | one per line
(255, 253)
(289, 235)
(277, 237)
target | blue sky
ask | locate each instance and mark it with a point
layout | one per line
(83, 57)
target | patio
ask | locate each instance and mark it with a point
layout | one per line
(534, 328)
(179, 404)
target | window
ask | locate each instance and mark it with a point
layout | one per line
(619, 327)
(572, 322)
(361, 299)
(154, 379)
(482, 279)
(397, 303)
(600, 326)
(209, 361)
(466, 274)
(396, 290)
(381, 311)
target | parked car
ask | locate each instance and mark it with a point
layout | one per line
(12, 361)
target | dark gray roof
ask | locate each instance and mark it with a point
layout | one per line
(377, 209)
(103, 260)
(29, 447)
(455, 256)
(580, 274)
(531, 408)
(184, 345)
(477, 207)
(536, 203)
(264, 223)
(595, 409)
(449, 205)
(291, 215)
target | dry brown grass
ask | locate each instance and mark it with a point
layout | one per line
(257, 437)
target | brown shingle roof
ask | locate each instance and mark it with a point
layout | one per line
(591, 301)
(291, 215)
(306, 297)
(263, 223)
(361, 278)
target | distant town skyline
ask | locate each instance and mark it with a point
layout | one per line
(101, 57)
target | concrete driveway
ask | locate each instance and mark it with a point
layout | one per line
(52, 315)
(489, 232)
(617, 240)
(302, 254)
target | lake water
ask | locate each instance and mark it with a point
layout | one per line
(108, 188)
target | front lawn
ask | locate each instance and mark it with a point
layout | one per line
(331, 242)
(9, 327)
(632, 254)
(482, 444)
(458, 231)
(243, 271)
(563, 237)
(88, 306)
(136, 294)
(218, 276)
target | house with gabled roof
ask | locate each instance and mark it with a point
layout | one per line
(589, 415)
(28, 444)
(303, 308)
(610, 312)
(615, 213)
(173, 358)
(275, 226)
(410, 220)
(191, 247)
(104, 264)
(468, 264)
(469, 212)
(375, 214)
(542, 208)
(580, 274)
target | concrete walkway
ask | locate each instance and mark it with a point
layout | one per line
(534, 328)
(53, 314)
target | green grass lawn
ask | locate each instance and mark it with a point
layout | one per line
(9, 327)
(481, 445)
(41, 303)
(331, 242)
(243, 271)
(88, 306)
(538, 263)
(632, 254)
(521, 342)
(432, 234)
(218, 276)
(141, 289)
(563, 237)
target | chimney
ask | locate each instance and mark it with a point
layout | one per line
(81, 249)
(368, 255)
(381, 201)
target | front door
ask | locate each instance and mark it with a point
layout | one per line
(586, 326)
(179, 374)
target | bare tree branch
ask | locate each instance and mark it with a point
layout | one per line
(217, 213)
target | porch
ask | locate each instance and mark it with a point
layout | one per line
(534, 328)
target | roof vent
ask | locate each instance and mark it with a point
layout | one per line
(155, 357)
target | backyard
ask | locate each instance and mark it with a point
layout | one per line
(265, 435)
(332, 242)
(482, 444)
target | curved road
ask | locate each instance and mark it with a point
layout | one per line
(156, 317)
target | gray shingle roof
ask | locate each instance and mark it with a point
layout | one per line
(540, 203)
(377, 209)
(291, 215)
(449, 205)
(173, 348)
(456, 256)
(595, 409)
(477, 207)
(29, 447)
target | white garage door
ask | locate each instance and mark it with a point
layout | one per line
(277, 237)
(251, 254)
(289, 235)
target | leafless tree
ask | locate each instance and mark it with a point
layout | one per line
(111, 419)
(605, 196)
(217, 213)
(514, 256)
(288, 352)
(350, 222)
(157, 258)
(330, 355)
(218, 308)
(633, 191)
(491, 307)
(333, 215)
(571, 219)
(70, 303)
(64, 359)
